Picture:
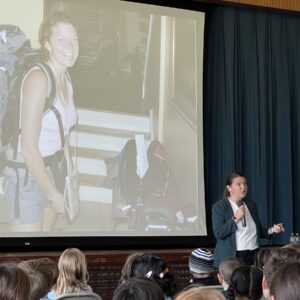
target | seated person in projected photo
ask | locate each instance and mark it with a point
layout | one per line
(151, 193)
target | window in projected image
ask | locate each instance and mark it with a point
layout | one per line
(138, 143)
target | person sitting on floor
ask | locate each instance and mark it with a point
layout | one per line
(245, 284)
(226, 268)
(73, 274)
(137, 288)
(201, 266)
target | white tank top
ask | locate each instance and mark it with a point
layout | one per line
(50, 141)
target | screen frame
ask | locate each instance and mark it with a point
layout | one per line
(58, 243)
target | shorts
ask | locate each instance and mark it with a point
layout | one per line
(32, 199)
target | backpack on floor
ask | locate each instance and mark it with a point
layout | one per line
(156, 181)
(16, 58)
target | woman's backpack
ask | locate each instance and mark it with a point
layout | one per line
(16, 58)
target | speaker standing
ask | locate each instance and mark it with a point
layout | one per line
(236, 223)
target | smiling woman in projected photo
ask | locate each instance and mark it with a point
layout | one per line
(236, 223)
(33, 197)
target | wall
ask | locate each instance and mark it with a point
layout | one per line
(293, 5)
(21, 13)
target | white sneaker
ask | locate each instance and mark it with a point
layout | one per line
(126, 208)
(192, 219)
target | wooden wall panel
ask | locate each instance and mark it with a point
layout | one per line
(291, 5)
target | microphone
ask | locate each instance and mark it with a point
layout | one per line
(240, 203)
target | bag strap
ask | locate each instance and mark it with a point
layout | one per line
(51, 92)
(60, 124)
(50, 98)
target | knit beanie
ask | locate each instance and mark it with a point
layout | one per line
(201, 261)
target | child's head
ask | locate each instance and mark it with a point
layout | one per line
(246, 281)
(45, 266)
(201, 261)
(72, 268)
(126, 269)
(136, 288)
(154, 267)
(10, 278)
(226, 268)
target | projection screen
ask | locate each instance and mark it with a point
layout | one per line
(138, 145)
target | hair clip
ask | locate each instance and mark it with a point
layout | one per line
(148, 275)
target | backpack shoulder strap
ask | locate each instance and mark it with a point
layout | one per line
(51, 93)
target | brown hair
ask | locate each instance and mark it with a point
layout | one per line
(229, 181)
(228, 265)
(279, 257)
(261, 257)
(285, 283)
(45, 30)
(46, 266)
(14, 283)
(38, 283)
(126, 269)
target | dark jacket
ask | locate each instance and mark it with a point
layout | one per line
(224, 228)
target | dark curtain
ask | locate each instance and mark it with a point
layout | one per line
(252, 109)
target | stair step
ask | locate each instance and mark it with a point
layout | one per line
(91, 180)
(95, 194)
(93, 153)
(91, 166)
(98, 142)
(113, 120)
(111, 131)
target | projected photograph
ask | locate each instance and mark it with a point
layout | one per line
(137, 145)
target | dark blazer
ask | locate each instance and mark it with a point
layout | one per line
(224, 228)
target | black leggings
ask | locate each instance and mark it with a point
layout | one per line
(247, 256)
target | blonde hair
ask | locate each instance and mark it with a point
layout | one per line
(73, 272)
(197, 293)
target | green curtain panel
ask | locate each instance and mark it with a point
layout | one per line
(252, 109)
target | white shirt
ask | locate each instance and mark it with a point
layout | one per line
(50, 141)
(245, 237)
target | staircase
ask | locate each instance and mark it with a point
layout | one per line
(100, 135)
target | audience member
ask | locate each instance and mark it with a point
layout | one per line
(285, 284)
(226, 268)
(245, 284)
(73, 274)
(41, 285)
(201, 266)
(261, 257)
(278, 257)
(154, 267)
(293, 246)
(14, 283)
(126, 269)
(137, 288)
(38, 282)
(196, 293)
